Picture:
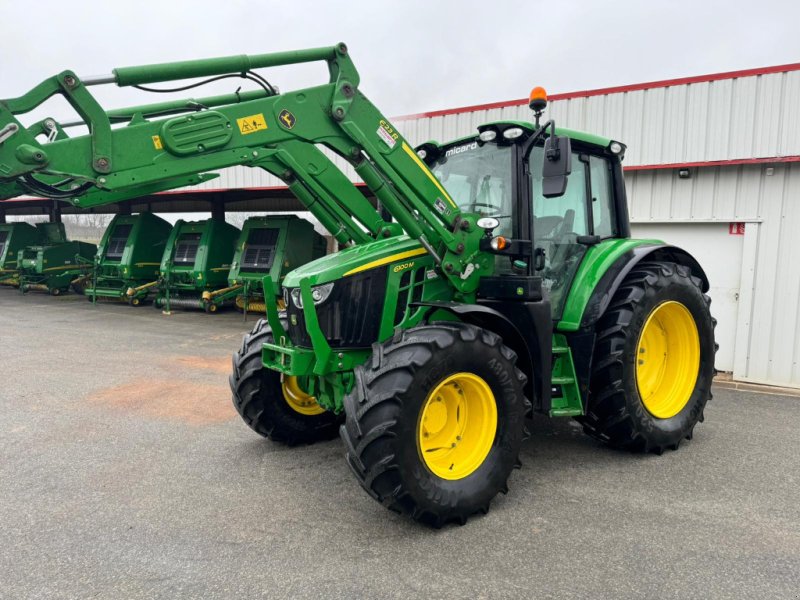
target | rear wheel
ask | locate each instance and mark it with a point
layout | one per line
(435, 422)
(279, 410)
(654, 360)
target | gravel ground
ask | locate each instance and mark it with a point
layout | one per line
(126, 473)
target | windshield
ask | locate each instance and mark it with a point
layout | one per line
(478, 177)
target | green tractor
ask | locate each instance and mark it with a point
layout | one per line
(50, 265)
(497, 279)
(267, 249)
(13, 238)
(127, 260)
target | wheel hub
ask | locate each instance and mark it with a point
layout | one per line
(298, 399)
(667, 359)
(457, 426)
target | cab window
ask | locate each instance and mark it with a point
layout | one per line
(603, 215)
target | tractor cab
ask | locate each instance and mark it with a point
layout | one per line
(500, 175)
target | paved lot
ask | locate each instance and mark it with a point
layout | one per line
(125, 473)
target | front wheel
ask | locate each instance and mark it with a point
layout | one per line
(653, 361)
(435, 422)
(279, 410)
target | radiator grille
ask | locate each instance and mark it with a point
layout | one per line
(350, 317)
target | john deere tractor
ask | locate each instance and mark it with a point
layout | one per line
(504, 283)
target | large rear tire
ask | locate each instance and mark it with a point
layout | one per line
(653, 361)
(280, 411)
(435, 422)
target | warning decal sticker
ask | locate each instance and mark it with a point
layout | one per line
(251, 124)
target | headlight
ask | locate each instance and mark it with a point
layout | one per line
(487, 135)
(319, 294)
(297, 299)
(513, 133)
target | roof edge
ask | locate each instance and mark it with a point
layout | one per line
(651, 85)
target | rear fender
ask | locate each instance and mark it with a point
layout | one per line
(612, 279)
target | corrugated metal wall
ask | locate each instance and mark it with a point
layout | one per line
(725, 119)
(767, 198)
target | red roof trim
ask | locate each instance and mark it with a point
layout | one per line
(611, 90)
(716, 163)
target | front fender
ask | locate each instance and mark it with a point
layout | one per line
(525, 327)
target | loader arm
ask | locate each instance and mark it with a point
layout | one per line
(168, 145)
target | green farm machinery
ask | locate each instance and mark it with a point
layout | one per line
(195, 263)
(498, 278)
(267, 249)
(50, 265)
(13, 238)
(127, 262)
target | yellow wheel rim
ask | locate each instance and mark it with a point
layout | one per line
(457, 426)
(667, 359)
(297, 399)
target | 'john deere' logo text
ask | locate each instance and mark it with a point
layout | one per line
(287, 119)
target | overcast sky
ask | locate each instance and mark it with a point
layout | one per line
(413, 55)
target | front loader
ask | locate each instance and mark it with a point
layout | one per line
(504, 283)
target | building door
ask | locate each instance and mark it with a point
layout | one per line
(719, 252)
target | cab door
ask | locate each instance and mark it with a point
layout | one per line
(564, 227)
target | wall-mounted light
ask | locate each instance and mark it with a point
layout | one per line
(684, 173)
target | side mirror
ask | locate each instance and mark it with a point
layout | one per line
(557, 166)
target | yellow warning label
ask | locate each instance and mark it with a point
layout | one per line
(157, 142)
(251, 124)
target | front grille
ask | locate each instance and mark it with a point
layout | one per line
(350, 317)
(116, 245)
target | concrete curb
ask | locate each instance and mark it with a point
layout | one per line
(725, 381)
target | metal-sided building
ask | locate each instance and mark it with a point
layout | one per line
(712, 165)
